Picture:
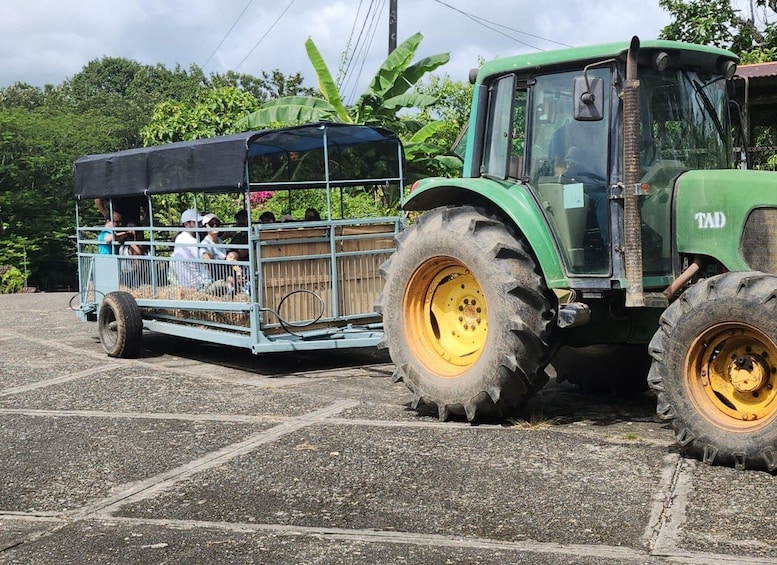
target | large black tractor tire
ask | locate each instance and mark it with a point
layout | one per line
(120, 325)
(715, 370)
(467, 317)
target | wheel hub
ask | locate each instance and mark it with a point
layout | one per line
(446, 313)
(730, 371)
(470, 314)
(747, 373)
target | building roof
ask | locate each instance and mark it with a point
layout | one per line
(757, 70)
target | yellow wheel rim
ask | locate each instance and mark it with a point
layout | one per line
(731, 373)
(446, 316)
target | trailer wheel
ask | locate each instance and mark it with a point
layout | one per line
(715, 370)
(120, 325)
(467, 317)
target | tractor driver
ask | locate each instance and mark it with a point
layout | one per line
(577, 153)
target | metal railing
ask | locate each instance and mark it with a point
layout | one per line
(298, 276)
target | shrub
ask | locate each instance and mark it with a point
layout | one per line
(11, 280)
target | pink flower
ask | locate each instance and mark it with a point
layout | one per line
(261, 197)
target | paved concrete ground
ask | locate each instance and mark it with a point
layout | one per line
(201, 454)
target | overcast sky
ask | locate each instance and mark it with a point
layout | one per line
(48, 41)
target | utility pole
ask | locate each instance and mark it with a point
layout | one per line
(392, 25)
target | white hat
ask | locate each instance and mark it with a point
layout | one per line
(190, 215)
(207, 218)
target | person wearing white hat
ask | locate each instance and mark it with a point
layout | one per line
(212, 246)
(187, 268)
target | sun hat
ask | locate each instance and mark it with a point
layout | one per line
(208, 217)
(190, 215)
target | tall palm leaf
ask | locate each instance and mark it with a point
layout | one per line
(326, 84)
(289, 110)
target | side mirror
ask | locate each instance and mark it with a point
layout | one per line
(588, 99)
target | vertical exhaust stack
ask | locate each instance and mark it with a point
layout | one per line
(632, 221)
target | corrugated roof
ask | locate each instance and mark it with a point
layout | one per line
(757, 70)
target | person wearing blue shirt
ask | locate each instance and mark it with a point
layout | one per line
(108, 237)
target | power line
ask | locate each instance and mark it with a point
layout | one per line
(345, 63)
(479, 20)
(373, 27)
(227, 34)
(265, 35)
(356, 48)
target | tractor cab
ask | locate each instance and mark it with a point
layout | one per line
(570, 152)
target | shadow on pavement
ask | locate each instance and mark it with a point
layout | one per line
(270, 364)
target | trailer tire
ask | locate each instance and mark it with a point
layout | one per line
(466, 315)
(120, 325)
(714, 370)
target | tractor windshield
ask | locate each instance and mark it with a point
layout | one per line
(684, 126)
(685, 119)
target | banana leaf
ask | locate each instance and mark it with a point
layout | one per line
(326, 84)
(393, 66)
(412, 74)
(426, 132)
(410, 100)
(289, 110)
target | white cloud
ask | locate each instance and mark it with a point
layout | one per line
(47, 41)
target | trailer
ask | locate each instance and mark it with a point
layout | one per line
(297, 285)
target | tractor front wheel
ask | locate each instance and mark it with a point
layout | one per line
(467, 317)
(715, 370)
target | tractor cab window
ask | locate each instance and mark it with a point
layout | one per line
(499, 128)
(685, 125)
(505, 141)
(568, 165)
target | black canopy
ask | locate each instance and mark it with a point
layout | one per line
(218, 164)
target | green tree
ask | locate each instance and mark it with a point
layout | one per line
(102, 108)
(128, 91)
(752, 35)
(213, 113)
(37, 150)
(11, 280)
(453, 100)
(267, 87)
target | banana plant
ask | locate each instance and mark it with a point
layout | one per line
(425, 157)
(380, 104)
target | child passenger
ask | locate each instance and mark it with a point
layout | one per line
(237, 281)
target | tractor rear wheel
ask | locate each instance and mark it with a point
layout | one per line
(467, 317)
(120, 325)
(715, 370)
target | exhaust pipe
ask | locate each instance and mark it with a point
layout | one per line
(632, 221)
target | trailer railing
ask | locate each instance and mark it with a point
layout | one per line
(301, 279)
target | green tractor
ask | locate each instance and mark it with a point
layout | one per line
(598, 212)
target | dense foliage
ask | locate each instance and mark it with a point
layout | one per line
(751, 35)
(108, 106)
